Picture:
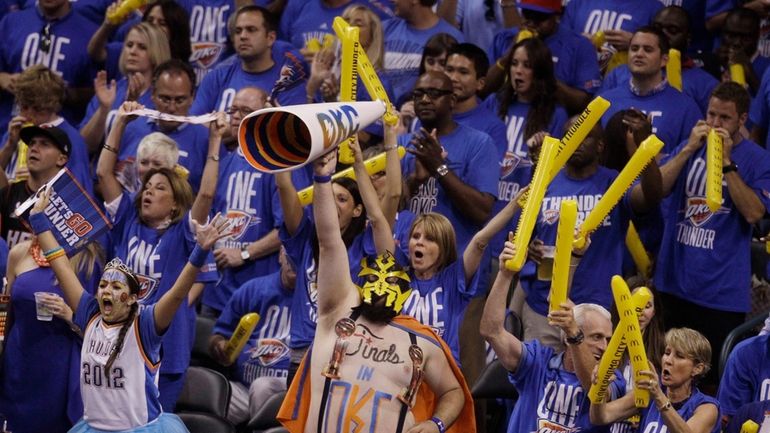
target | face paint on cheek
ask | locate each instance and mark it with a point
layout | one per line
(123, 297)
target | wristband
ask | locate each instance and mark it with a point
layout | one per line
(53, 254)
(110, 148)
(439, 423)
(39, 223)
(391, 147)
(728, 168)
(322, 179)
(665, 407)
(198, 256)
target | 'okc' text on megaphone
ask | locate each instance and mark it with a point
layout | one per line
(285, 138)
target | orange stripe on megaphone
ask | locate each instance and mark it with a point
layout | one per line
(266, 139)
(283, 125)
(250, 136)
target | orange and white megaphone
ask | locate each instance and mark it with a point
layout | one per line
(285, 138)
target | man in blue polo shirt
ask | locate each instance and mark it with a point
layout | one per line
(703, 269)
(673, 113)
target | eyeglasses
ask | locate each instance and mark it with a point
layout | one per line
(44, 44)
(489, 14)
(167, 100)
(432, 93)
(243, 111)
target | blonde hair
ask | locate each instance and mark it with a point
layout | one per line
(376, 50)
(157, 45)
(691, 344)
(40, 88)
(437, 228)
(161, 144)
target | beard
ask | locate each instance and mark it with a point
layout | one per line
(376, 312)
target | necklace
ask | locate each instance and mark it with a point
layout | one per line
(37, 255)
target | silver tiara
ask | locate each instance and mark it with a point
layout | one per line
(118, 264)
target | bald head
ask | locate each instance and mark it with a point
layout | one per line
(438, 80)
(246, 101)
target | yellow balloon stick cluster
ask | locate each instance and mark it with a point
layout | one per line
(314, 45)
(674, 69)
(348, 77)
(749, 427)
(629, 322)
(614, 353)
(241, 335)
(373, 165)
(365, 70)
(714, 173)
(737, 74)
(643, 155)
(574, 137)
(563, 253)
(638, 252)
(124, 9)
(531, 210)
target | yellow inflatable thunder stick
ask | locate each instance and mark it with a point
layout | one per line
(674, 69)
(638, 252)
(241, 336)
(348, 78)
(749, 427)
(563, 254)
(531, 210)
(125, 8)
(643, 155)
(614, 353)
(598, 39)
(574, 136)
(367, 73)
(629, 321)
(373, 165)
(525, 34)
(737, 74)
(714, 173)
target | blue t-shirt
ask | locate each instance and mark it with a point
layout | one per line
(299, 249)
(306, 20)
(21, 48)
(471, 17)
(760, 107)
(121, 91)
(696, 83)
(550, 398)
(440, 302)
(403, 51)
(747, 375)
(470, 154)
(515, 120)
(704, 256)
(248, 199)
(652, 420)
(591, 16)
(574, 57)
(602, 260)
(218, 89)
(673, 113)
(208, 33)
(193, 141)
(266, 354)
(759, 412)
(157, 258)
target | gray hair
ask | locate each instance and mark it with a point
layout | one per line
(580, 311)
(162, 144)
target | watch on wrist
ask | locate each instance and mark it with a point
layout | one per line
(730, 167)
(442, 171)
(245, 255)
(576, 339)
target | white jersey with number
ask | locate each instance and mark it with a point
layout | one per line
(128, 397)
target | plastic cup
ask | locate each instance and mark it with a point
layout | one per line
(545, 268)
(43, 313)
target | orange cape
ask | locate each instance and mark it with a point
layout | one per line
(294, 410)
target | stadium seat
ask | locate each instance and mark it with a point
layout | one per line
(198, 422)
(205, 390)
(265, 418)
(740, 333)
